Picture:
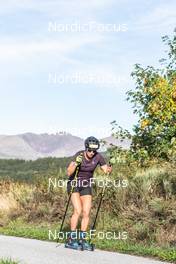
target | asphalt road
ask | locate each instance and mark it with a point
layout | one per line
(31, 251)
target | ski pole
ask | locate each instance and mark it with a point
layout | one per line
(101, 198)
(98, 209)
(68, 202)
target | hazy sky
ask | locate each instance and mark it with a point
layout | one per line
(66, 64)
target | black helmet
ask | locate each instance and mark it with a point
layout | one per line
(92, 143)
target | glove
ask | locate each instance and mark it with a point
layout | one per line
(79, 159)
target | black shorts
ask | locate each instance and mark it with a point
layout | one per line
(80, 189)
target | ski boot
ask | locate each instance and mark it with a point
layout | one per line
(72, 242)
(85, 243)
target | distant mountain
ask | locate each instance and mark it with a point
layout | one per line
(54, 143)
(30, 146)
(16, 147)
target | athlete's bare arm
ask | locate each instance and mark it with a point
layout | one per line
(71, 168)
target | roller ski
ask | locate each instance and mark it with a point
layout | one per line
(73, 243)
(85, 243)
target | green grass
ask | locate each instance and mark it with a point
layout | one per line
(166, 254)
(8, 261)
(21, 229)
(40, 231)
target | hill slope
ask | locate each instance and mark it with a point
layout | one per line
(30, 146)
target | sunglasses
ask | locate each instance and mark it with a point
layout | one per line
(91, 150)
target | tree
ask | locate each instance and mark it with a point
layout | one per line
(154, 100)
